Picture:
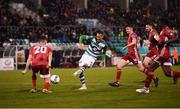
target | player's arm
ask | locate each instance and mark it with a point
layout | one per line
(27, 64)
(106, 52)
(146, 42)
(172, 39)
(50, 59)
(134, 40)
(82, 38)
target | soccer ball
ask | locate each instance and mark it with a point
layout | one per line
(55, 79)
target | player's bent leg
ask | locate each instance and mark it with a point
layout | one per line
(79, 71)
(146, 64)
(149, 74)
(146, 61)
(120, 65)
(167, 70)
(170, 73)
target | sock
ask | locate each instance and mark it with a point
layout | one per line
(82, 78)
(34, 80)
(148, 80)
(118, 75)
(82, 69)
(175, 74)
(46, 85)
(146, 71)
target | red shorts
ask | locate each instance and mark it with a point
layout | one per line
(132, 57)
(44, 71)
(152, 53)
(165, 56)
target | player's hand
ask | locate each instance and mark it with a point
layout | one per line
(23, 72)
(146, 42)
(81, 46)
(48, 66)
(124, 48)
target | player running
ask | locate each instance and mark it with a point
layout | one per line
(96, 48)
(132, 56)
(153, 50)
(40, 57)
(166, 37)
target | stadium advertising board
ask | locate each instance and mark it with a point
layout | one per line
(90, 23)
(6, 64)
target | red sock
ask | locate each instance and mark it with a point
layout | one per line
(148, 80)
(46, 85)
(34, 80)
(176, 74)
(118, 75)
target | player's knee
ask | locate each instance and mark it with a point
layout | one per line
(34, 77)
(145, 63)
(166, 69)
(141, 69)
(119, 67)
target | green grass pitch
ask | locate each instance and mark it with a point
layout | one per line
(14, 90)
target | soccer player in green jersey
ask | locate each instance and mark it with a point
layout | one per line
(96, 48)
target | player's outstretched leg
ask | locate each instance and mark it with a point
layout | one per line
(170, 73)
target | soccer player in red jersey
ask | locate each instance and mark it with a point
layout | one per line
(166, 37)
(153, 50)
(132, 56)
(40, 57)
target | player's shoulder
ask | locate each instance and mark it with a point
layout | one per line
(103, 43)
(49, 46)
(33, 46)
(134, 35)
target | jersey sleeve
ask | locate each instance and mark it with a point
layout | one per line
(169, 33)
(85, 37)
(134, 36)
(31, 50)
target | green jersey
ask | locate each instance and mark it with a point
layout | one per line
(95, 48)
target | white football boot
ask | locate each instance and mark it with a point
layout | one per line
(143, 90)
(83, 87)
(33, 90)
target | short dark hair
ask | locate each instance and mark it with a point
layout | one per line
(129, 25)
(43, 37)
(100, 31)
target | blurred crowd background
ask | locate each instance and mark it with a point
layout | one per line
(24, 19)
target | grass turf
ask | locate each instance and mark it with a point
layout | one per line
(14, 90)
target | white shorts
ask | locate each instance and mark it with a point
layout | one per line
(86, 60)
(45, 76)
